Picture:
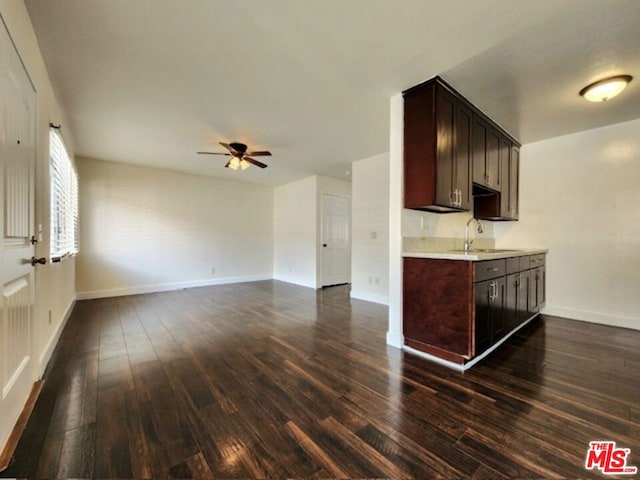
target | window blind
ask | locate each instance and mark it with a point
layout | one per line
(64, 199)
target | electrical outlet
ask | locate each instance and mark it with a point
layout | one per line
(376, 281)
(373, 235)
(212, 270)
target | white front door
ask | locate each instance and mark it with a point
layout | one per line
(17, 155)
(336, 246)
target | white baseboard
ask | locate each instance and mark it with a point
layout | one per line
(166, 287)
(395, 339)
(296, 282)
(43, 361)
(593, 317)
(370, 297)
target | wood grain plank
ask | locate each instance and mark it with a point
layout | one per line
(270, 380)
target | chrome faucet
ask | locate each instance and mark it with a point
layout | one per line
(467, 242)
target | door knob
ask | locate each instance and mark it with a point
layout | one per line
(41, 261)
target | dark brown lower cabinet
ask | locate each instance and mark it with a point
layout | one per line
(536, 289)
(490, 312)
(456, 309)
(524, 282)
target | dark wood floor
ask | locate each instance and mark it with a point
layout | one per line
(271, 380)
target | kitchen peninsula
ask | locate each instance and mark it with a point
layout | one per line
(461, 305)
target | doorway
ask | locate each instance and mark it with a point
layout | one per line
(17, 163)
(336, 240)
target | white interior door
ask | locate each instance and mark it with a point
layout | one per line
(336, 242)
(17, 155)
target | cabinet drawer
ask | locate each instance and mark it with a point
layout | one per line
(536, 260)
(490, 269)
(513, 265)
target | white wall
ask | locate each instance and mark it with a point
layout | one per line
(370, 218)
(147, 229)
(296, 232)
(579, 197)
(297, 228)
(54, 283)
(396, 192)
(442, 225)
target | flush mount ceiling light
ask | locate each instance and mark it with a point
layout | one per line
(604, 89)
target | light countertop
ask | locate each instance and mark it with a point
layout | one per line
(475, 255)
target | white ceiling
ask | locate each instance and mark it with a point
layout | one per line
(153, 81)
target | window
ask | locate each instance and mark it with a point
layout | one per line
(64, 199)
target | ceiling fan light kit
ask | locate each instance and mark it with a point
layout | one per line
(240, 158)
(605, 89)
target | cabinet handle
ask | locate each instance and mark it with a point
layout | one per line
(492, 269)
(452, 197)
(459, 198)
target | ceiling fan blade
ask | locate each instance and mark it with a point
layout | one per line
(214, 153)
(229, 147)
(255, 162)
(261, 153)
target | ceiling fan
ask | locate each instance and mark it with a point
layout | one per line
(240, 158)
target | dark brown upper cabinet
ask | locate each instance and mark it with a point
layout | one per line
(486, 155)
(455, 157)
(502, 205)
(438, 126)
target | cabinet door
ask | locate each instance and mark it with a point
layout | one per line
(523, 295)
(492, 173)
(463, 154)
(445, 148)
(540, 286)
(504, 176)
(537, 288)
(498, 324)
(483, 315)
(490, 303)
(511, 316)
(514, 183)
(534, 306)
(479, 146)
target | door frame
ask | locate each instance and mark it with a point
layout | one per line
(320, 269)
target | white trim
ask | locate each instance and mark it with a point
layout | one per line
(396, 201)
(320, 258)
(370, 297)
(593, 317)
(465, 366)
(14, 378)
(165, 287)
(53, 341)
(395, 339)
(297, 282)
